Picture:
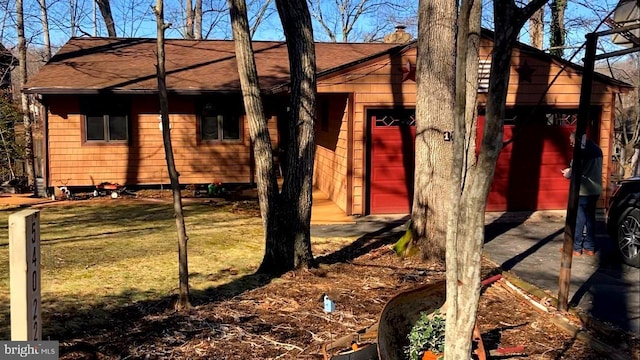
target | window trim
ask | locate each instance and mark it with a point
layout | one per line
(105, 106)
(226, 112)
(106, 118)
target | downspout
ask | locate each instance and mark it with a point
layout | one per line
(45, 147)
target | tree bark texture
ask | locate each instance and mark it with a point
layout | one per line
(26, 113)
(189, 19)
(536, 29)
(105, 10)
(198, 21)
(183, 297)
(46, 39)
(464, 255)
(298, 181)
(278, 255)
(435, 80)
(558, 31)
(460, 318)
(72, 17)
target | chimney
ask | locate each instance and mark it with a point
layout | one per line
(399, 36)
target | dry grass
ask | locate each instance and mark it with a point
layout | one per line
(98, 256)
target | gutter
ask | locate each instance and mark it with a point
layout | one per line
(85, 91)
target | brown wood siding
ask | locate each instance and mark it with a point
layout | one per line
(330, 174)
(384, 82)
(379, 83)
(373, 85)
(142, 162)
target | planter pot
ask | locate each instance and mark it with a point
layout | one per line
(429, 355)
(364, 352)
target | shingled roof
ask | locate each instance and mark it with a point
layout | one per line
(125, 65)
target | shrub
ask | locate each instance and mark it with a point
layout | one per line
(426, 334)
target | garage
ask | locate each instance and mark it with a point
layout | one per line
(391, 160)
(527, 175)
(536, 148)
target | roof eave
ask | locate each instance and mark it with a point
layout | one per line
(623, 86)
(88, 91)
(328, 72)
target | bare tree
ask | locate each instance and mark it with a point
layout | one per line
(262, 12)
(558, 31)
(105, 10)
(460, 220)
(627, 117)
(12, 151)
(465, 236)
(286, 216)
(189, 18)
(198, 20)
(462, 252)
(338, 21)
(26, 118)
(435, 75)
(536, 29)
(183, 298)
(95, 18)
(267, 185)
(45, 29)
(298, 182)
(72, 20)
(133, 18)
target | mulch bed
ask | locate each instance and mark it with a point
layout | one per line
(257, 317)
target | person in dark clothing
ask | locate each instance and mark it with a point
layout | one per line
(590, 190)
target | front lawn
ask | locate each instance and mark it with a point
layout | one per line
(101, 255)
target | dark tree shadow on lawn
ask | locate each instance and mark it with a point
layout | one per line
(102, 329)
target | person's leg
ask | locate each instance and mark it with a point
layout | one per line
(590, 224)
(581, 220)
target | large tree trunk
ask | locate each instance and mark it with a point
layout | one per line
(72, 17)
(465, 252)
(298, 182)
(558, 30)
(45, 30)
(105, 10)
(287, 217)
(435, 71)
(460, 247)
(278, 249)
(183, 296)
(188, 23)
(536, 29)
(26, 117)
(198, 21)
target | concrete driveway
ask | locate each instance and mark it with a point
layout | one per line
(528, 245)
(601, 285)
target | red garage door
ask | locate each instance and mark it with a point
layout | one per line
(527, 175)
(391, 160)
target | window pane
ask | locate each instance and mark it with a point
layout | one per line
(209, 127)
(95, 128)
(231, 129)
(117, 127)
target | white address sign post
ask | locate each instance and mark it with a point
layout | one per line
(24, 253)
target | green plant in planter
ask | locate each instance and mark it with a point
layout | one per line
(426, 334)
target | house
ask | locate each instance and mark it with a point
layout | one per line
(102, 118)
